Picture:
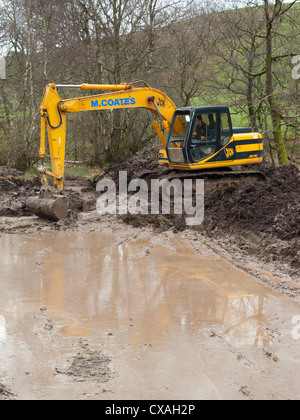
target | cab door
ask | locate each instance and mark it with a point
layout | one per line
(177, 138)
(227, 148)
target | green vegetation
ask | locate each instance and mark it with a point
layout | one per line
(81, 171)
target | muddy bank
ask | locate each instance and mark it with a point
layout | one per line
(260, 220)
(269, 208)
(14, 190)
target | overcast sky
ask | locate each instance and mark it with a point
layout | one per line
(225, 3)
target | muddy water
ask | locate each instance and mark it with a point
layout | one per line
(91, 315)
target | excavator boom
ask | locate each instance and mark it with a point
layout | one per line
(54, 111)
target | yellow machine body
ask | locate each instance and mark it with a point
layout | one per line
(174, 127)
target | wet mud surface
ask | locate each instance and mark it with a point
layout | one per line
(254, 221)
(139, 307)
(110, 314)
(107, 313)
(260, 220)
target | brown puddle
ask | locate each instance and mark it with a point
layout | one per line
(173, 324)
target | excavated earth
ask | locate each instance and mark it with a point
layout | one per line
(260, 220)
(142, 307)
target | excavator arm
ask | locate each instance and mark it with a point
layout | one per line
(54, 111)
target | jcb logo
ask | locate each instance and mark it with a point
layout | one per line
(160, 102)
(229, 153)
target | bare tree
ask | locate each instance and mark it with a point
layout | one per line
(257, 46)
(190, 49)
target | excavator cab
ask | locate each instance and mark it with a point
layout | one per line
(203, 137)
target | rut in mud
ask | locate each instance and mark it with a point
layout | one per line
(5, 393)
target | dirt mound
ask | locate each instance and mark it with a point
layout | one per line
(263, 219)
(145, 160)
(6, 171)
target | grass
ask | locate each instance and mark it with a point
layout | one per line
(239, 118)
(31, 173)
(81, 171)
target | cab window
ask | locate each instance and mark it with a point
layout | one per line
(205, 127)
(177, 138)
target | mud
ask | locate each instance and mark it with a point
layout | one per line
(5, 393)
(91, 366)
(263, 220)
(111, 313)
(14, 190)
(259, 220)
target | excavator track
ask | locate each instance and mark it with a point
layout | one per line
(215, 178)
(212, 179)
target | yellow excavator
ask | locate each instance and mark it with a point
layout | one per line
(197, 141)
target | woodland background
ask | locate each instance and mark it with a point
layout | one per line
(243, 54)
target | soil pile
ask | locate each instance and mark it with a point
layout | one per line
(141, 162)
(272, 207)
(89, 366)
(5, 393)
(262, 219)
